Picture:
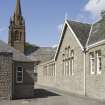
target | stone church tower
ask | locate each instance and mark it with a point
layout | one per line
(17, 29)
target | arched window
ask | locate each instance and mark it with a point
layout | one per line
(20, 35)
(72, 62)
(63, 64)
(16, 35)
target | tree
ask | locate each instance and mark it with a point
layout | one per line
(103, 14)
(29, 48)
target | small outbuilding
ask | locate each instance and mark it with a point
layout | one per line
(16, 73)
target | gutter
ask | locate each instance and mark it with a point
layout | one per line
(84, 76)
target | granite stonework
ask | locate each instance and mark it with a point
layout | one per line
(82, 81)
(95, 83)
(25, 89)
(9, 88)
(6, 72)
(73, 83)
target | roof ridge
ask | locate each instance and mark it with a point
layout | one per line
(81, 31)
(97, 33)
(14, 51)
(77, 21)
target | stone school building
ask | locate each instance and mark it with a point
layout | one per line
(16, 73)
(78, 66)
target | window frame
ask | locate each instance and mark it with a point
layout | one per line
(98, 66)
(63, 64)
(92, 62)
(72, 62)
(17, 35)
(20, 36)
(17, 81)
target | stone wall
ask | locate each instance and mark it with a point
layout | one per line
(81, 82)
(44, 76)
(6, 75)
(25, 89)
(95, 83)
(72, 83)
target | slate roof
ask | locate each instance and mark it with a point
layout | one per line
(43, 54)
(17, 56)
(98, 32)
(81, 30)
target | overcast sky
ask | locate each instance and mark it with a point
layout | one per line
(44, 18)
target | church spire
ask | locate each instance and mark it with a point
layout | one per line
(17, 29)
(18, 8)
(18, 18)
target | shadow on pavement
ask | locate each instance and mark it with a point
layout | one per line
(42, 93)
(39, 93)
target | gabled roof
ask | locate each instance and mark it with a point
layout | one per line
(43, 54)
(97, 33)
(80, 32)
(17, 56)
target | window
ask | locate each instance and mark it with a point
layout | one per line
(45, 71)
(49, 70)
(66, 66)
(69, 51)
(63, 63)
(54, 69)
(20, 35)
(92, 63)
(35, 69)
(99, 63)
(66, 53)
(72, 62)
(16, 35)
(19, 75)
(68, 62)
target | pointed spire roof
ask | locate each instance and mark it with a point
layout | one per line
(17, 17)
(18, 8)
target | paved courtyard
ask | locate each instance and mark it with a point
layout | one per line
(47, 97)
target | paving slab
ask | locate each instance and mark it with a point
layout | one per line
(51, 96)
